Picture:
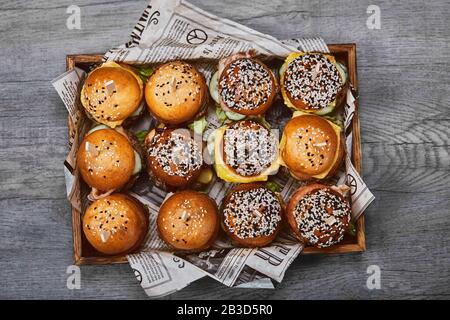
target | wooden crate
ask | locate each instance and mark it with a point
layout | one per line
(84, 253)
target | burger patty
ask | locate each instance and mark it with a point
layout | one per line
(322, 217)
(245, 85)
(313, 79)
(252, 213)
(249, 148)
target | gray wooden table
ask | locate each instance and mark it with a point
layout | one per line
(404, 78)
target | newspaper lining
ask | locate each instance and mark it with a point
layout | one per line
(174, 29)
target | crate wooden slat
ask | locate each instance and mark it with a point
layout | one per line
(85, 254)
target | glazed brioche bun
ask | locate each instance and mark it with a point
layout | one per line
(106, 159)
(111, 93)
(176, 93)
(246, 85)
(188, 220)
(313, 82)
(174, 157)
(312, 147)
(252, 215)
(245, 151)
(116, 224)
(318, 215)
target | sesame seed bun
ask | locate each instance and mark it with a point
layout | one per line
(318, 215)
(176, 93)
(188, 221)
(312, 147)
(304, 77)
(106, 159)
(174, 157)
(245, 151)
(116, 224)
(246, 86)
(252, 215)
(111, 93)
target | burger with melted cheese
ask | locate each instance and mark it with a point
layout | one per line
(313, 82)
(245, 151)
(113, 93)
(311, 147)
(174, 157)
(109, 160)
(176, 93)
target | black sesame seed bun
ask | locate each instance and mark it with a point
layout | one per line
(312, 147)
(116, 224)
(176, 93)
(318, 215)
(313, 82)
(188, 221)
(106, 160)
(246, 86)
(111, 94)
(174, 157)
(252, 215)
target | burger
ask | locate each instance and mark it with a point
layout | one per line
(176, 93)
(108, 160)
(174, 157)
(116, 224)
(113, 93)
(318, 215)
(313, 82)
(252, 215)
(245, 151)
(311, 147)
(244, 85)
(188, 221)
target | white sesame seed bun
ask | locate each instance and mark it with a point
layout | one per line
(176, 93)
(111, 93)
(326, 234)
(312, 147)
(188, 221)
(232, 220)
(251, 95)
(106, 159)
(116, 224)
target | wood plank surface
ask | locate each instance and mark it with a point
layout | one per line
(404, 77)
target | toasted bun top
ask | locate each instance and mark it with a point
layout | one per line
(175, 92)
(312, 81)
(310, 145)
(106, 159)
(188, 220)
(111, 93)
(249, 148)
(247, 86)
(319, 215)
(174, 156)
(251, 211)
(115, 224)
